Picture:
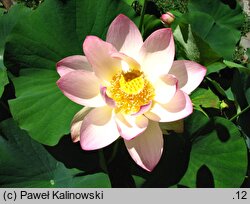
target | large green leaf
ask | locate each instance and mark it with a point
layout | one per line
(139, 181)
(39, 99)
(192, 47)
(26, 163)
(130, 2)
(216, 24)
(3, 79)
(53, 31)
(187, 46)
(150, 24)
(222, 150)
(240, 67)
(240, 88)
(205, 98)
(194, 123)
(7, 22)
(215, 67)
(240, 84)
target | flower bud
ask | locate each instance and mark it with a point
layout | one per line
(167, 18)
(223, 105)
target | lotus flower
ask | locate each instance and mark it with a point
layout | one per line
(128, 87)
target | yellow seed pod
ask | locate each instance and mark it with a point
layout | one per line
(130, 90)
(133, 86)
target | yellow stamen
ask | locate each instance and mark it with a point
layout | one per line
(130, 91)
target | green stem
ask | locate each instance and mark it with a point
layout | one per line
(142, 14)
(102, 160)
(238, 114)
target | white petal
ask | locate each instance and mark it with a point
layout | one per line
(109, 101)
(189, 74)
(72, 63)
(157, 53)
(82, 87)
(146, 149)
(98, 53)
(98, 129)
(165, 88)
(76, 123)
(125, 36)
(128, 62)
(179, 107)
(131, 126)
(143, 109)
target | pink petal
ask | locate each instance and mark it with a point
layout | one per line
(165, 88)
(109, 101)
(157, 53)
(125, 36)
(179, 107)
(143, 109)
(98, 129)
(131, 126)
(72, 63)
(82, 87)
(131, 64)
(189, 74)
(77, 123)
(146, 149)
(98, 53)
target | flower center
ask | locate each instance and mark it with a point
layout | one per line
(130, 91)
(132, 82)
